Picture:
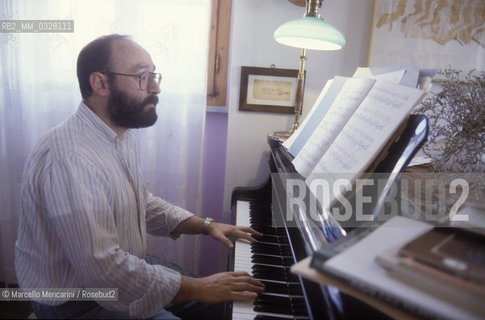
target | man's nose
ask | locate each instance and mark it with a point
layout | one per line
(154, 87)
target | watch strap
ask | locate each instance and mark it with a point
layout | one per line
(205, 226)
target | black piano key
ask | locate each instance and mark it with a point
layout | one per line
(274, 272)
(269, 244)
(259, 213)
(266, 276)
(274, 251)
(268, 230)
(260, 269)
(273, 260)
(285, 309)
(263, 267)
(281, 273)
(282, 288)
(261, 220)
(270, 299)
(264, 317)
(260, 209)
(281, 308)
(274, 242)
(271, 239)
(267, 239)
(284, 248)
(265, 246)
(262, 275)
(279, 304)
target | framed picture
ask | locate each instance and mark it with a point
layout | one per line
(429, 34)
(268, 90)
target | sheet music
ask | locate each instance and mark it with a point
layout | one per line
(368, 130)
(290, 141)
(297, 140)
(395, 76)
(343, 107)
(319, 110)
(404, 75)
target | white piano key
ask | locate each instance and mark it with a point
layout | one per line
(242, 249)
(243, 310)
(242, 216)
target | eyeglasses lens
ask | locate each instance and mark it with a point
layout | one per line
(146, 79)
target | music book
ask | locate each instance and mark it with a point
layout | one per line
(363, 120)
(404, 75)
(455, 251)
(357, 272)
(448, 287)
(304, 269)
(297, 140)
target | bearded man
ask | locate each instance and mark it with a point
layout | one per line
(86, 209)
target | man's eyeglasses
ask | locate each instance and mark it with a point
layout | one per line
(145, 79)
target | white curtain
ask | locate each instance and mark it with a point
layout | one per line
(39, 89)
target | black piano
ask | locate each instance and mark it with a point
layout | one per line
(289, 296)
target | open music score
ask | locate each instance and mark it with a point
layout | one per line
(375, 120)
(364, 115)
(344, 105)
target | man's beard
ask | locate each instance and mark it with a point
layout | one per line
(126, 112)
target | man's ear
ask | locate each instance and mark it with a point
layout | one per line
(99, 83)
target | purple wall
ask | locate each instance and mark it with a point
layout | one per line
(214, 166)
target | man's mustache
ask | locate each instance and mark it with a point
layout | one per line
(151, 99)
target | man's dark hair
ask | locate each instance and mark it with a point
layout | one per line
(95, 57)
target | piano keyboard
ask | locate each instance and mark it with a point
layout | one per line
(269, 261)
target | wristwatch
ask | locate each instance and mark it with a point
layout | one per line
(205, 226)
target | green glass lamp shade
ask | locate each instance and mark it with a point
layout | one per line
(309, 33)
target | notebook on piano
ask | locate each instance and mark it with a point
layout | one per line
(358, 272)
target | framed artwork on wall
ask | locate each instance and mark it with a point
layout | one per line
(429, 34)
(268, 90)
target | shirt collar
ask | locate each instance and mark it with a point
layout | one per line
(91, 119)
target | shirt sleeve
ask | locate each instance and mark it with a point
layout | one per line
(78, 206)
(162, 217)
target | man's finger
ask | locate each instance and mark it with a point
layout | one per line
(244, 295)
(227, 242)
(238, 273)
(243, 235)
(250, 230)
(246, 278)
(245, 286)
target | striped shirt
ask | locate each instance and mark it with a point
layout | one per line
(85, 214)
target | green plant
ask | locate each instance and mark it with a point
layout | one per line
(456, 140)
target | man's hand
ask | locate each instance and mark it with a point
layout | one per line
(221, 232)
(218, 231)
(219, 287)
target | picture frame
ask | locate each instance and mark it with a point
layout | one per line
(270, 90)
(427, 34)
